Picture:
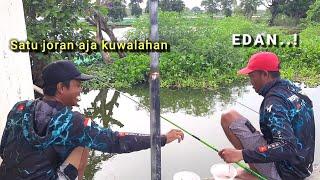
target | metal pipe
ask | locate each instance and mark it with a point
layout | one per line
(154, 96)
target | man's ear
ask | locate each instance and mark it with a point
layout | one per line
(265, 73)
(60, 88)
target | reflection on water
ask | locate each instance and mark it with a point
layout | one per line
(196, 110)
(95, 163)
(101, 110)
(192, 101)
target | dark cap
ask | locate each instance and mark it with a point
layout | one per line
(60, 71)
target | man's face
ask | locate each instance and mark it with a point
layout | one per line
(258, 79)
(70, 96)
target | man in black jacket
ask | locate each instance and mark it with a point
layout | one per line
(285, 149)
(45, 139)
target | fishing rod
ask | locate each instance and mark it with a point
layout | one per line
(242, 165)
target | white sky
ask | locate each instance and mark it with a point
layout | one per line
(192, 3)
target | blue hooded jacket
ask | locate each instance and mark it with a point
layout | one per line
(287, 123)
(39, 136)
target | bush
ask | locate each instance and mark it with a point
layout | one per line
(131, 70)
(314, 12)
(202, 54)
(201, 51)
(86, 60)
(284, 20)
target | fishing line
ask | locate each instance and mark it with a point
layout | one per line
(247, 107)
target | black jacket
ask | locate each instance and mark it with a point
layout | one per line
(287, 123)
(39, 136)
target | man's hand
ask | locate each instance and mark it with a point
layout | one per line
(174, 134)
(230, 155)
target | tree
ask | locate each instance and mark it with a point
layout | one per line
(216, 6)
(172, 5)
(64, 20)
(296, 9)
(177, 5)
(249, 7)
(60, 20)
(99, 18)
(314, 12)
(211, 6)
(165, 5)
(146, 10)
(226, 6)
(136, 10)
(117, 10)
(196, 10)
(275, 9)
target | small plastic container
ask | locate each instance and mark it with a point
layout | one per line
(223, 171)
(186, 175)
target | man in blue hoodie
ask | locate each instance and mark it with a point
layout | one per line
(45, 139)
(285, 149)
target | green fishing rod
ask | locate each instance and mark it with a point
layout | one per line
(242, 165)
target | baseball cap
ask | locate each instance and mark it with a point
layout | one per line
(60, 71)
(266, 61)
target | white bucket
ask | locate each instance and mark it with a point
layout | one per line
(186, 175)
(223, 172)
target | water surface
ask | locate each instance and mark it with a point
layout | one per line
(195, 110)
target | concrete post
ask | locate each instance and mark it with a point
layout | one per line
(15, 70)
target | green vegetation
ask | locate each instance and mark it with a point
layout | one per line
(303, 63)
(202, 54)
(314, 13)
(56, 20)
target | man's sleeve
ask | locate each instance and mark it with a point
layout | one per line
(6, 132)
(3, 142)
(284, 144)
(89, 134)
